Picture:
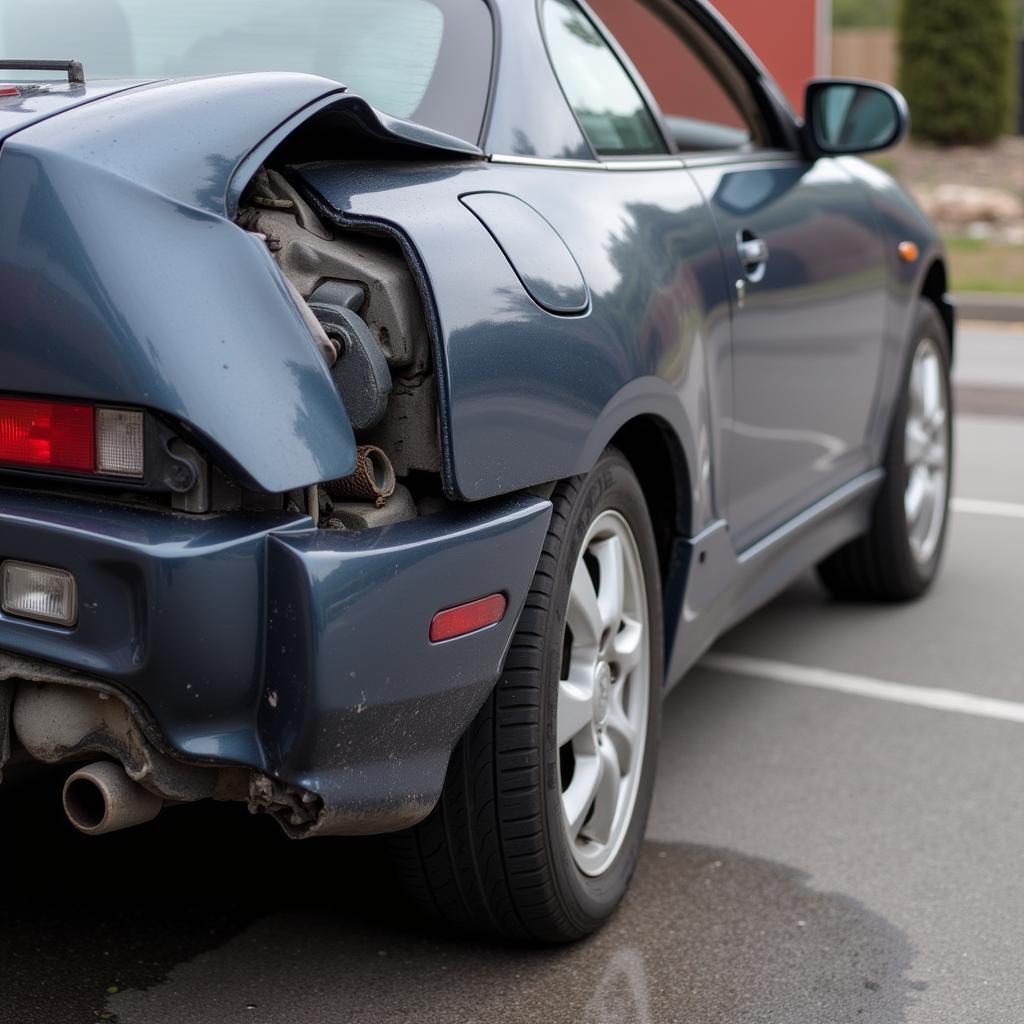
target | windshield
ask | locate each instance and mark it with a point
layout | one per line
(425, 60)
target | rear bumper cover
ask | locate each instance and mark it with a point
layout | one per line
(302, 654)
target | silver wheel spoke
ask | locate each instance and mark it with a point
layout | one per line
(575, 710)
(621, 732)
(627, 646)
(935, 457)
(916, 390)
(606, 798)
(926, 451)
(914, 499)
(612, 582)
(916, 443)
(931, 387)
(929, 494)
(579, 797)
(584, 614)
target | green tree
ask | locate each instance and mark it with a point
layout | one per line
(954, 69)
(863, 13)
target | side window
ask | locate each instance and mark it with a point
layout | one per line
(610, 109)
(704, 107)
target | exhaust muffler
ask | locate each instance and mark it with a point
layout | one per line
(101, 798)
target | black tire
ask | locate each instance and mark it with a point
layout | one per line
(880, 565)
(493, 858)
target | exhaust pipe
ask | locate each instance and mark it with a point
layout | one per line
(101, 798)
(372, 481)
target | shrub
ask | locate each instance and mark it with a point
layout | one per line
(863, 13)
(955, 70)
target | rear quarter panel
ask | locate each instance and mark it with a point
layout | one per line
(529, 396)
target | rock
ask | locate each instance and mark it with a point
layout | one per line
(980, 230)
(970, 204)
(1014, 235)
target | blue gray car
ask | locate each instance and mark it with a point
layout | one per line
(399, 396)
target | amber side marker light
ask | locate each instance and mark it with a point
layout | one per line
(909, 252)
(467, 618)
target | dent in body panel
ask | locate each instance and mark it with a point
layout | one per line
(146, 580)
(368, 724)
(136, 288)
(130, 297)
(532, 397)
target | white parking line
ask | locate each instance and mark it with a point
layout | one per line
(864, 686)
(974, 506)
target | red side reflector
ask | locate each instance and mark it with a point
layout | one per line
(52, 435)
(9, 90)
(467, 618)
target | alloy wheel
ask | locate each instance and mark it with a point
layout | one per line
(603, 693)
(926, 452)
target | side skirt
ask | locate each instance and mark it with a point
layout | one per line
(724, 587)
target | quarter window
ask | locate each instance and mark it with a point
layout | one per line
(609, 107)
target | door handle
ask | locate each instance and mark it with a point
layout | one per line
(753, 253)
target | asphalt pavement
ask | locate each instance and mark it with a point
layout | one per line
(836, 836)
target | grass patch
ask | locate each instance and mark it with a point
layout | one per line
(888, 162)
(979, 266)
(863, 13)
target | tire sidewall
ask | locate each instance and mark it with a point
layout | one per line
(611, 486)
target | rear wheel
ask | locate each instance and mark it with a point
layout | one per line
(544, 808)
(899, 556)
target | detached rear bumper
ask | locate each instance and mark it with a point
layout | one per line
(264, 643)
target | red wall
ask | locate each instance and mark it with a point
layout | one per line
(783, 33)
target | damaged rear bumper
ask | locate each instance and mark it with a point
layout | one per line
(260, 642)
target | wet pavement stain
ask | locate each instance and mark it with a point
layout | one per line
(80, 917)
(210, 917)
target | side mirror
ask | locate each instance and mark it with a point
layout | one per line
(847, 116)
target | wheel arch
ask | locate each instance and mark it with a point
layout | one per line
(652, 448)
(658, 459)
(934, 287)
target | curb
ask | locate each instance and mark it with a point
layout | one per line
(982, 400)
(989, 306)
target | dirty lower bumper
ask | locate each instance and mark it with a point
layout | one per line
(265, 643)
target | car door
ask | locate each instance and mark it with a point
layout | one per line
(805, 267)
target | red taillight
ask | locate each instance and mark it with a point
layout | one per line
(9, 90)
(467, 618)
(53, 435)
